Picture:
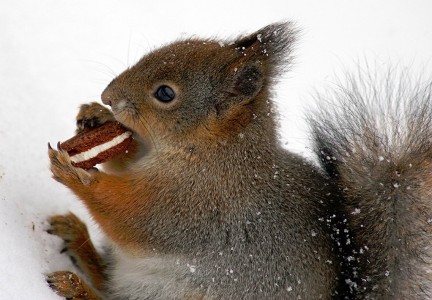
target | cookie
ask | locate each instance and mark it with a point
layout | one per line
(97, 145)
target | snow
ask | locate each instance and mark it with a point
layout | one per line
(56, 55)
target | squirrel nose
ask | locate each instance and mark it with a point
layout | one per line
(107, 96)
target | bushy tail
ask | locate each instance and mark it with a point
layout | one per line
(373, 135)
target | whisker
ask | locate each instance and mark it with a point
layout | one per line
(104, 69)
(144, 123)
(85, 242)
(137, 117)
(131, 112)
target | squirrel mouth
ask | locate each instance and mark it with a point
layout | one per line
(126, 114)
(144, 140)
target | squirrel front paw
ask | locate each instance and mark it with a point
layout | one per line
(79, 247)
(63, 171)
(70, 286)
(74, 234)
(92, 115)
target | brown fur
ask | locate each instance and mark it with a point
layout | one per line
(209, 184)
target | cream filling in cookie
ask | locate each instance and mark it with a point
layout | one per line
(96, 150)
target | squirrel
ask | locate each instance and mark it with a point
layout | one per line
(208, 205)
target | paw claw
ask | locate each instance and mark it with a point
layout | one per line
(92, 115)
(80, 124)
(67, 284)
(64, 171)
(73, 232)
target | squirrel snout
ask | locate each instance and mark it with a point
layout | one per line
(107, 97)
(116, 100)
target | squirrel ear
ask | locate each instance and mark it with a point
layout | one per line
(247, 80)
(244, 81)
(271, 45)
(260, 57)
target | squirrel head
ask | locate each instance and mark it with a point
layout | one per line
(201, 89)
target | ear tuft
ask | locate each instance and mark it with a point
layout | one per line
(258, 59)
(272, 44)
(246, 42)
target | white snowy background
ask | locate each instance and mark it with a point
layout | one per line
(56, 54)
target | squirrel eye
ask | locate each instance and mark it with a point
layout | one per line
(165, 94)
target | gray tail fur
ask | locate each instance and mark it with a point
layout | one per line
(373, 136)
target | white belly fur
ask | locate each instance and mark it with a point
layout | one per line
(152, 277)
